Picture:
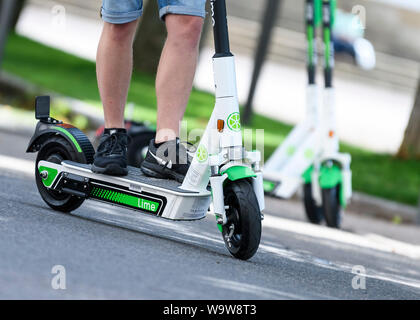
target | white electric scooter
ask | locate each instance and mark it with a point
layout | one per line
(310, 155)
(64, 177)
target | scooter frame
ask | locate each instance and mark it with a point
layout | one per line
(220, 156)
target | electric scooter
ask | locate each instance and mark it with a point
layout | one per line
(65, 180)
(310, 155)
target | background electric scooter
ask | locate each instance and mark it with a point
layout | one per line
(310, 156)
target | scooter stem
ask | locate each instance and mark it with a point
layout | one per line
(220, 28)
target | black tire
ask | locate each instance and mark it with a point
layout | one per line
(313, 212)
(136, 147)
(56, 149)
(245, 217)
(331, 206)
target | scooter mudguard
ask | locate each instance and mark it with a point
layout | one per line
(239, 172)
(329, 177)
(74, 136)
(235, 173)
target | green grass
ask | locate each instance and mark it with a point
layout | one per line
(376, 174)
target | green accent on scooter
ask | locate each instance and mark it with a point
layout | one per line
(70, 136)
(310, 32)
(327, 41)
(239, 172)
(219, 226)
(318, 12)
(329, 177)
(52, 173)
(291, 150)
(268, 186)
(129, 200)
(234, 121)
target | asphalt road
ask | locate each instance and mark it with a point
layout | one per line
(162, 259)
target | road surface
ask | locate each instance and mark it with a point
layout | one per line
(161, 259)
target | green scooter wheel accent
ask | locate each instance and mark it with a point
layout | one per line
(68, 134)
(51, 174)
(329, 177)
(219, 226)
(239, 172)
(332, 192)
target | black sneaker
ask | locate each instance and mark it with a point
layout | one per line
(168, 160)
(111, 156)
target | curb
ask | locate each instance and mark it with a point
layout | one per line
(383, 208)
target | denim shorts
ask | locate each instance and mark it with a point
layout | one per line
(123, 11)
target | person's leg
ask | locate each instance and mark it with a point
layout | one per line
(167, 158)
(176, 72)
(114, 65)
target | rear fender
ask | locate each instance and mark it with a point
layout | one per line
(76, 138)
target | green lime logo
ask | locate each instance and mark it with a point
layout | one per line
(291, 150)
(202, 153)
(309, 154)
(234, 121)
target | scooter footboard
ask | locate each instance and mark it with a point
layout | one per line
(161, 198)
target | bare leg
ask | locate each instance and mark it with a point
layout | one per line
(176, 73)
(114, 65)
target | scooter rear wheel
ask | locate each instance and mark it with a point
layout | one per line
(242, 233)
(56, 150)
(331, 206)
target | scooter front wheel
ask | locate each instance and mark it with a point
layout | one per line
(313, 212)
(56, 150)
(242, 232)
(331, 206)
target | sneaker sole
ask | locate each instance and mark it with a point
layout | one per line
(162, 175)
(111, 169)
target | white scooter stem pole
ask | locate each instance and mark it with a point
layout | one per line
(226, 141)
(330, 135)
(312, 103)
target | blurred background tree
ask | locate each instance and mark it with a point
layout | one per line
(9, 15)
(149, 39)
(410, 147)
(16, 12)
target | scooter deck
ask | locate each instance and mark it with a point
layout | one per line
(134, 175)
(160, 197)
